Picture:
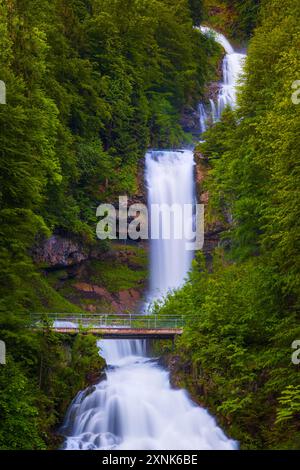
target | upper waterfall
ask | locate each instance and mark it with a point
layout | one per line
(232, 69)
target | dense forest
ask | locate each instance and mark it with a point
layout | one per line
(91, 84)
(237, 358)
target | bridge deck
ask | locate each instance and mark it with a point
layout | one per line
(126, 333)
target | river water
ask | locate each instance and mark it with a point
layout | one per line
(135, 407)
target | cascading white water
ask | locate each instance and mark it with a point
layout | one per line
(232, 68)
(135, 407)
(203, 118)
(170, 181)
(214, 112)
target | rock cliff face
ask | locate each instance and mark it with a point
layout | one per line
(60, 252)
(96, 280)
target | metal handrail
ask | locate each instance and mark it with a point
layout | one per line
(108, 320)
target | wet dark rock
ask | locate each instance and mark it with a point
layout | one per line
(96, 378)
(88, 391)
(190, 120)
(213, 91)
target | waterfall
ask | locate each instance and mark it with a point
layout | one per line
(135, 407)
(213, 110)
(166, 172)
(203, 118)
(232, 69)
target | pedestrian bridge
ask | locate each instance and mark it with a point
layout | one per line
(114, 326)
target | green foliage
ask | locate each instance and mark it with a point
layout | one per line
(18, 410)
(247, 12)
(90, 85)
(42, 374)
(127, 269)
(197, 11)
(91, 91)
(117, 276)
(289, 404)
(236, 18)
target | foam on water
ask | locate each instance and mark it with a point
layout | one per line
(136, 408)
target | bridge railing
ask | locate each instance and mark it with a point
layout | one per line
(106, 321)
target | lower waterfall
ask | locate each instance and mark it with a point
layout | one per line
(135, 407)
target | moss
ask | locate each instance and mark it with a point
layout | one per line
(116, 276)
(100, 305)
(127, 269)
(135, 254)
